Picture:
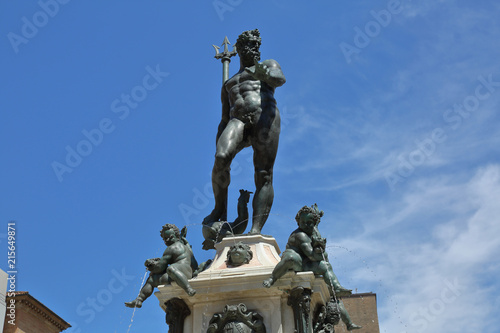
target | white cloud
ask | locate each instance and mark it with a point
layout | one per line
(438, 276)
(421, 8)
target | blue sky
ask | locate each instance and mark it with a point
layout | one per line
(389, 122)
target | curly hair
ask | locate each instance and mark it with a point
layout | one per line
(246, 247)
(243, 40)
(313, 210)
(173, 227)
(247, 36)
(332, 313)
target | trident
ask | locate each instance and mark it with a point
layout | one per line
(225, 58)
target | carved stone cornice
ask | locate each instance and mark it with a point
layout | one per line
(35, 306)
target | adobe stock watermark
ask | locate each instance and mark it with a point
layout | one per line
(95, 136)
(89, 308)
(223, 6)
(453, 117)
(421, 318)
(30, 26)
(363, 37)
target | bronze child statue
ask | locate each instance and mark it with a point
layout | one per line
(176, 265)
(305, 252)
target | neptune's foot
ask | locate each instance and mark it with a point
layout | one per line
(214, 216)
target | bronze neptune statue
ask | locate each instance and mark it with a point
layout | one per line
(249, 118)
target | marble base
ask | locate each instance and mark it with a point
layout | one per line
(222, 285)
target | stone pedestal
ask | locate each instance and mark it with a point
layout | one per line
(221, 284)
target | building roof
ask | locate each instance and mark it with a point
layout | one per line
(25, 298)
(360, 295)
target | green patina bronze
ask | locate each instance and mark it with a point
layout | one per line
(239, 254)
(177, 264)
(214, 232)
(250, 117)
(237, 318)
(305, 252)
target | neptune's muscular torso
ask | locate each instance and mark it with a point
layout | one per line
(249, 98)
